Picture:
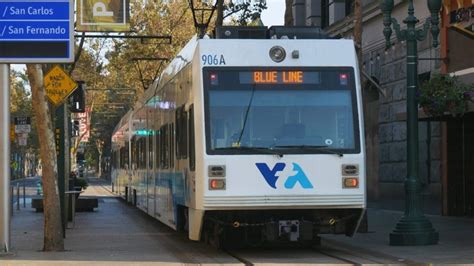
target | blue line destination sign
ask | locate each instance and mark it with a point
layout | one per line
(36, 31)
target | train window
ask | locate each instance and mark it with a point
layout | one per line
(157, 148)
(283, 109)
(134, 153)
(143, 153)
(139, 154)
(192, 154)
(164, 147)
(151, 153)
(122, 158)
(171, 144)
(181, 133)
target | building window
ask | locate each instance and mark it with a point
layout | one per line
(335, 10)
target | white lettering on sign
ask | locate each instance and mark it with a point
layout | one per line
(13, 30)
(56, 30)
(99, 10)
(40, 11)
(31, 11)
(17, 11)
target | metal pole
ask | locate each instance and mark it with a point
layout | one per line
(12, 199)
(17, 196)
(4, 157)
(24, 193)
(414, 228)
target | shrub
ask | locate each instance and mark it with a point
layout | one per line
(81, 182)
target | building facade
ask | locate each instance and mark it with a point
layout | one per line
(385, 109)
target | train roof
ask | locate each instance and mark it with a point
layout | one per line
(228, 33)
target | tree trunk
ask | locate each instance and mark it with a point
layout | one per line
(358, 29)
(288, 12)
(220, 13)
(53, 233)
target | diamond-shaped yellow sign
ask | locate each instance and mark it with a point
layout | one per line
(58, 85)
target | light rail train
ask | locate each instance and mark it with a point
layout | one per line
(254, 135)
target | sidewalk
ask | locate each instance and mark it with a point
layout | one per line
(114, 234)
(456, 239)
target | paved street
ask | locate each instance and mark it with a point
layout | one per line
(119, 234)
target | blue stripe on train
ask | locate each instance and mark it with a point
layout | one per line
(175, 182)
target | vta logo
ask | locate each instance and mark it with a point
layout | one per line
(271, 175)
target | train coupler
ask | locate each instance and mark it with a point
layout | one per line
(289, 230)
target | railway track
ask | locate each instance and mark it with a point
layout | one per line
(325, 254)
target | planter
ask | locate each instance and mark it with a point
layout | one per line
(445, 95)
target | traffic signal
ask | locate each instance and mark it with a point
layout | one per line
(75, 128)
(77, 99)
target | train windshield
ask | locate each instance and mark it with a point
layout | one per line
(289, 110)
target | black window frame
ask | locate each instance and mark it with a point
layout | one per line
(181, 123)
(158, 148)
(164, 147)
(191, 139)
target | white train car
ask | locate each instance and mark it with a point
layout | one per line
(259, 138)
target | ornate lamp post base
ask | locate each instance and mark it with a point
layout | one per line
(414, 231)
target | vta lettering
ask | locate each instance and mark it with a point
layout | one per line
(271, 175)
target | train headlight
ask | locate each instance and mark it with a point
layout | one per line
(350, 182)
(277, 54)
(216, 184)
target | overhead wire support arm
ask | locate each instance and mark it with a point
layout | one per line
(138, 59)
(200, 22)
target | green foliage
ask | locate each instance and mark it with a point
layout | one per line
(444, 94)
(21, 105)
(244, 12)
(81, 182)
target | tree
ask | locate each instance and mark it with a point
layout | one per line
(243, 12)
(119, 79)
(358, 29)
(53, 236)
(20, 105)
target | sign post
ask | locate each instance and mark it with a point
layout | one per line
(4, 158)
(39, 31)
(31, 31)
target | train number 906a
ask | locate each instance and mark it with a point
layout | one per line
(212, 60)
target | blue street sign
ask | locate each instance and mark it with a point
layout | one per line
(34, 10)
(36, 31)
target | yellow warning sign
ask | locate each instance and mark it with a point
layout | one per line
(58, 85)
(12, 132)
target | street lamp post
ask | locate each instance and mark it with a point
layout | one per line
(413, 228)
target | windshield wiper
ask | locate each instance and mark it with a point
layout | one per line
(247, 114)
(250, 148)
(322, 148)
